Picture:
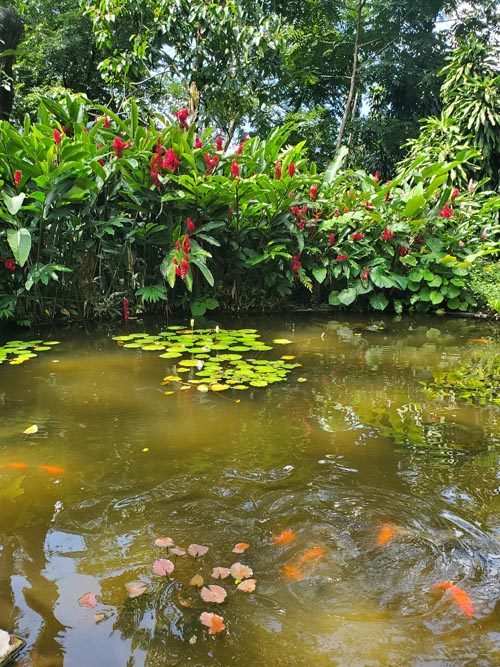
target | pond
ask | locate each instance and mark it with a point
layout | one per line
(352, 491)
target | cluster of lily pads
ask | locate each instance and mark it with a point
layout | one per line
(18, 351)
(216, 358)
(164, 567)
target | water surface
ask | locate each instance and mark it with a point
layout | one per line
(334, 458)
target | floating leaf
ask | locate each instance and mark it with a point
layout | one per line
(213, 622)
(240, 547)
(219, 387)
(135, 588)
(213, 593)
(197, 580)
(163, 567)
(31, 429)
(89, 600)
(240, 571)
(221, 572)
(282, 341)
(203, 388)
(196, 550)
(164, 542)
(248, 586)
(178, 551)
(301, 379)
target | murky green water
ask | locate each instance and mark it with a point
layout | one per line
(334, 458)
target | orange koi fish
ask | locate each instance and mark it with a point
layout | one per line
(15, 464)
(387, 532)
(313, 554)
(52, 469)
(461, 598)
(292, 573)
(285, 538)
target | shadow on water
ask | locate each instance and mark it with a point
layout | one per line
(355, 450)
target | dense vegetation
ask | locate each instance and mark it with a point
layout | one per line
(155, 156)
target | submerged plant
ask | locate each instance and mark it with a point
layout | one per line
(475, 382)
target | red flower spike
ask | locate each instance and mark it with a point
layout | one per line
(446, 212)
(331, 239)
(198, 143)
(57, 137)
(190, 226)
(387, 234)
(119, 146)
(277, 170)
(17, 177)
(125, 309)
(218, 142)
(341, 258)
(357, 236)
(291, 169)
(364, 274)
(313, 191)
(455, 194)
(376, 177)
(106, 122)
(235, 170)
(10, 264)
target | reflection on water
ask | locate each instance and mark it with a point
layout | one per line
(333, 459)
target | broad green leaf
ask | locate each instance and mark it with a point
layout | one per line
(20, 243)
(319, 273)
(15, 203)
(379, 301)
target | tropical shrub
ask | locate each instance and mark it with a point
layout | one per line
(102, 214)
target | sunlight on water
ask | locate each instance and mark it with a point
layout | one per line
(382, 493)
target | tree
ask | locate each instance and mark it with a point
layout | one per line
(224, 55)
(11, 31)
(57, 54)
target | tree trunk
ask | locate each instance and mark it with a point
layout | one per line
(354, 75)
(11, 31)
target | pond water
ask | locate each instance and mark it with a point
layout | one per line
(356, 491)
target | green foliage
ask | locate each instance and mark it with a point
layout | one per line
(469, 119)
(97, 207)
(474, 382)
(485, 284)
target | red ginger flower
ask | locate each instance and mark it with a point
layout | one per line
(17, 177)
(296, 263)
(364, 274)
(211, 163)
(182, 118)
(218, 142)
(387, 234)
(277, 170)
(10, 264)
(170, 160)
(291, 169)
(455, 194)
(403, 251)
(190, 226)
(341, 258)
(125, 309)
(119, 146)
(186, 245)
(357, 236)
(235, 170)
(331, 239)
(198, 143)
(106, 122)
(446, 212)
(57, 137)
(376, 177)
(313, 191)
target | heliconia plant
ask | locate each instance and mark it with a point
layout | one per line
(98, 207)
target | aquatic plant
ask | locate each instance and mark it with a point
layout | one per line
(18, 351)
(216, 362)
(477, 381)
